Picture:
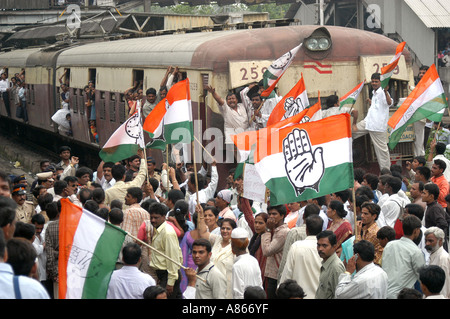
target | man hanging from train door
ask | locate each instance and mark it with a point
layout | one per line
(375, 122)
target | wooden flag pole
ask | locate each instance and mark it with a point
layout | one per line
(195, 171)
(145, 158)
(196, 139)
(354, 212)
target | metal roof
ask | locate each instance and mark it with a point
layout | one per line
(433, 13)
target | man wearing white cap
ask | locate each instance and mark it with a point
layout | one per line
(223, 200)
(246, 271)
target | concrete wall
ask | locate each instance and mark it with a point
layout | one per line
(398, 18)
(444, 74)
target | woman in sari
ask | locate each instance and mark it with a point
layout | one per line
(186, 250)
(339, 225)
(221, 253)
(258, 226)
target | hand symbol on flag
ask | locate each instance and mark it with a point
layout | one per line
(304, 167)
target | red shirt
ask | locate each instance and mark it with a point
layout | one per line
(444, 187)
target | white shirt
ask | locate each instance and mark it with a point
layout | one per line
(41, 255)
(371, 282)
(303, 265)
(378, 114)
(206, 193)
(246, 272)
(390, 210)
(129, 283)
(447, 162)
(441, 258)
(4, 85)
(29, 288)
(322, 215)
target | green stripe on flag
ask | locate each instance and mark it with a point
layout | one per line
(428, 110)
(335, 179)
(118, 153)
(180, 132)
(103, 262)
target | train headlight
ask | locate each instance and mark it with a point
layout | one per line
(319, 40)
(318, 44)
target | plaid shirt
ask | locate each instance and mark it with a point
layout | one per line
(370, 234)
(52, 249)
(133, 218)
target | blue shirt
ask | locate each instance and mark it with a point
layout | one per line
(29, 288)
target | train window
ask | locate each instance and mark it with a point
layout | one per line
(33, 95)
(66, 77)
(112, 107)
(74, 100)
(138, 77)
(92, 75)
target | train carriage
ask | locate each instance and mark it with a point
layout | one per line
(226, 60)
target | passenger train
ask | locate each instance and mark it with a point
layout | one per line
(332, 60)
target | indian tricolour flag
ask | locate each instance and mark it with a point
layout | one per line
(307, 160)
(388, 70)
(125, 141)
(88, 251)
(171, 119)
(351, 96)
(295, 101)
(276, 70)
(427, 100)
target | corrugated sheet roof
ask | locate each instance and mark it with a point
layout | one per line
(433, 13)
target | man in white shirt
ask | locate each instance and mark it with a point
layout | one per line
(214, 283)
(17, 287)
(369, 282)
(375, 122)
(234, 114)
(393, 206)
(432, 280)
(4, 91)
(402, 259)
(204, 193)
(103, 175)
(434, 240)
(129, 282)
(303, 262)
(246, 271)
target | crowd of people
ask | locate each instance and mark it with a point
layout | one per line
(14, 90)
(386, 240)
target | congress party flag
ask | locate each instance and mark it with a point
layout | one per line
(427, 100)
(88, 251)
(351, 96)
(171, 120)
(307, 161)
(295, 101)
(276, 70)
(386, 71)
(245, 141)
(125, 141)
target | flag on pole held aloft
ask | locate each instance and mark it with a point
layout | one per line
(307, 161)
(351, 96)
(276, 70)
(388, 70)
(170, 122)
(246, 140)
(295, 101)
(88, 251)
(427, 100)
(125, 141)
